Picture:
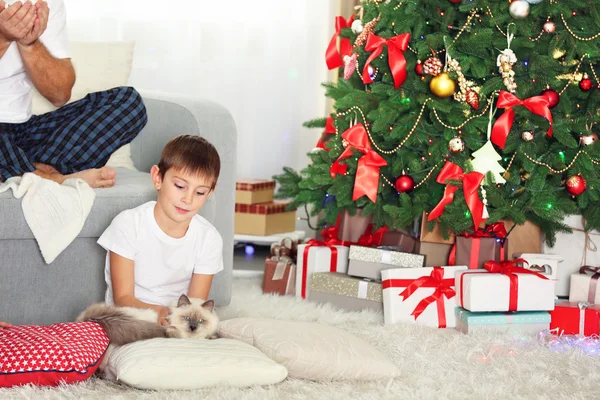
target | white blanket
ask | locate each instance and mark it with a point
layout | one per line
(55, 213)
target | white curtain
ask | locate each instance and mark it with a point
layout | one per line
(262, 59)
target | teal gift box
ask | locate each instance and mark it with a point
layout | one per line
(527, 322)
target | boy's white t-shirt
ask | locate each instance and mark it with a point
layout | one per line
(15, 85)
(163, 265)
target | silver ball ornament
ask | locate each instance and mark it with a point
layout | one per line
(527, 136)
(534, 1)
(519, 9)
(456, 145)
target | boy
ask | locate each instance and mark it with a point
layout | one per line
(159, 250)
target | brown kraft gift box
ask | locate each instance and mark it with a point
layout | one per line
(436, 254)
(264, 219)
(352, 227)
(489, 249)
(279, 277)
(434, 236)
(254, 191)
(525, 238)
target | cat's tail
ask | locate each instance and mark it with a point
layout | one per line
(121, 328)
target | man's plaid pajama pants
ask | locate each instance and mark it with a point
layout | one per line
(77, 136)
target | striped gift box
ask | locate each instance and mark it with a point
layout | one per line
(252, 185)
(275, 207)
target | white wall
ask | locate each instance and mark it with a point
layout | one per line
(262, 59)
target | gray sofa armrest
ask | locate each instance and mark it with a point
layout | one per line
(171, 115)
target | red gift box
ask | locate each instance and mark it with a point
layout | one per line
(569, 318)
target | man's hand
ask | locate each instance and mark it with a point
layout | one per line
(163, 315)
(39, 26)
(4, 325)
(16, 21)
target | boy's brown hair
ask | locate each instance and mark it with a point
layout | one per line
(193, 155)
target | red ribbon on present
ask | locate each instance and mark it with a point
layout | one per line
(537, 105)
(329, 130)
(495, 230)
(471, 183)
(511, 269)
(372, 238)
(443, 287)
(366, 182)
(396, 60)
(333, 57)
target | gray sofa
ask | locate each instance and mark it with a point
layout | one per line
(32, 292)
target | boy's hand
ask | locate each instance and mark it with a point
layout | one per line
(163, 315)
(4, 325)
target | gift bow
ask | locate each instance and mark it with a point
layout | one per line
(329, 130)
(537, 105)
(366, 182)
(511, 269)
(333, 57)
(372, 238)
(471, 182)
(330, 239)
(396, 60)
(443, 287)
(495, 230)
(593, 287)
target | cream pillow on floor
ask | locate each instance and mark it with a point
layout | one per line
(98, 66)
(311, 350)
(176, 364)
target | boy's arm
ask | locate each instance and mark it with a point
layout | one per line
(123, 283)
(200, 286)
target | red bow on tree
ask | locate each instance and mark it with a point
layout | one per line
(329, 130)
(471, 183)
(333, 57)
(366, 182)
(396, 60)
(537, 105)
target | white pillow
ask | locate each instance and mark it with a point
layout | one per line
(176, 364)
(311, 350)
(98, 66)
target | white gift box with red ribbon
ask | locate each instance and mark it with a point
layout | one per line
(312, 258)
(481, 290)
(584, 285)
(420, 295)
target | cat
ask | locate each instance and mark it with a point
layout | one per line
(195, 319)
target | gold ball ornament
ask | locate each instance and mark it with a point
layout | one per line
(442, 86)
(549, 27)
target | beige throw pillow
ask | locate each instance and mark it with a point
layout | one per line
(311, 350)
(98, 66)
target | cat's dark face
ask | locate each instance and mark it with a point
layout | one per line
(193, 319)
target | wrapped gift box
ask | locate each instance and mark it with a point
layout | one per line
(526, 238)
(435, 253)
(475, 251)
(279, 277)
(572, 247)
(348, 293)
(480, 290)
(264, 219)
(420, 295)
(584, 286)
(368, 262)
(434, 236)
(528, 322)
(254, 191)
(575, 319)
(352, 227)
(319, 260)
(545, 264)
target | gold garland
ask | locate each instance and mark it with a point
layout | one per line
(596, 36)
(573, 77)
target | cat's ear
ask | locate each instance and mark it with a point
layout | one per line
(209, 304)
(183, 301)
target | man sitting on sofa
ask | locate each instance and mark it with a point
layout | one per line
(76, 140)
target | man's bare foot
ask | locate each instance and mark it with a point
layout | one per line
(49, 169)
(96, 177)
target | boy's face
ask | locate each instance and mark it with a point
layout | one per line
(180, 195)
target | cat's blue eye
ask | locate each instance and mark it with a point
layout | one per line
(186, 318)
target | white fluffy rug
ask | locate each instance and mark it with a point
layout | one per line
(434, 363)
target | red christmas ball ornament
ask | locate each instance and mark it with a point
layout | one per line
(552, 96)
(404, 184)
(576, 185)
(419, 68)
(585, 83)
(455, 1)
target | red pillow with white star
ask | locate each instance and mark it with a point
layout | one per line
(48, 355)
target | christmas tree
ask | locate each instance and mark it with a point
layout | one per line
(438, 99)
